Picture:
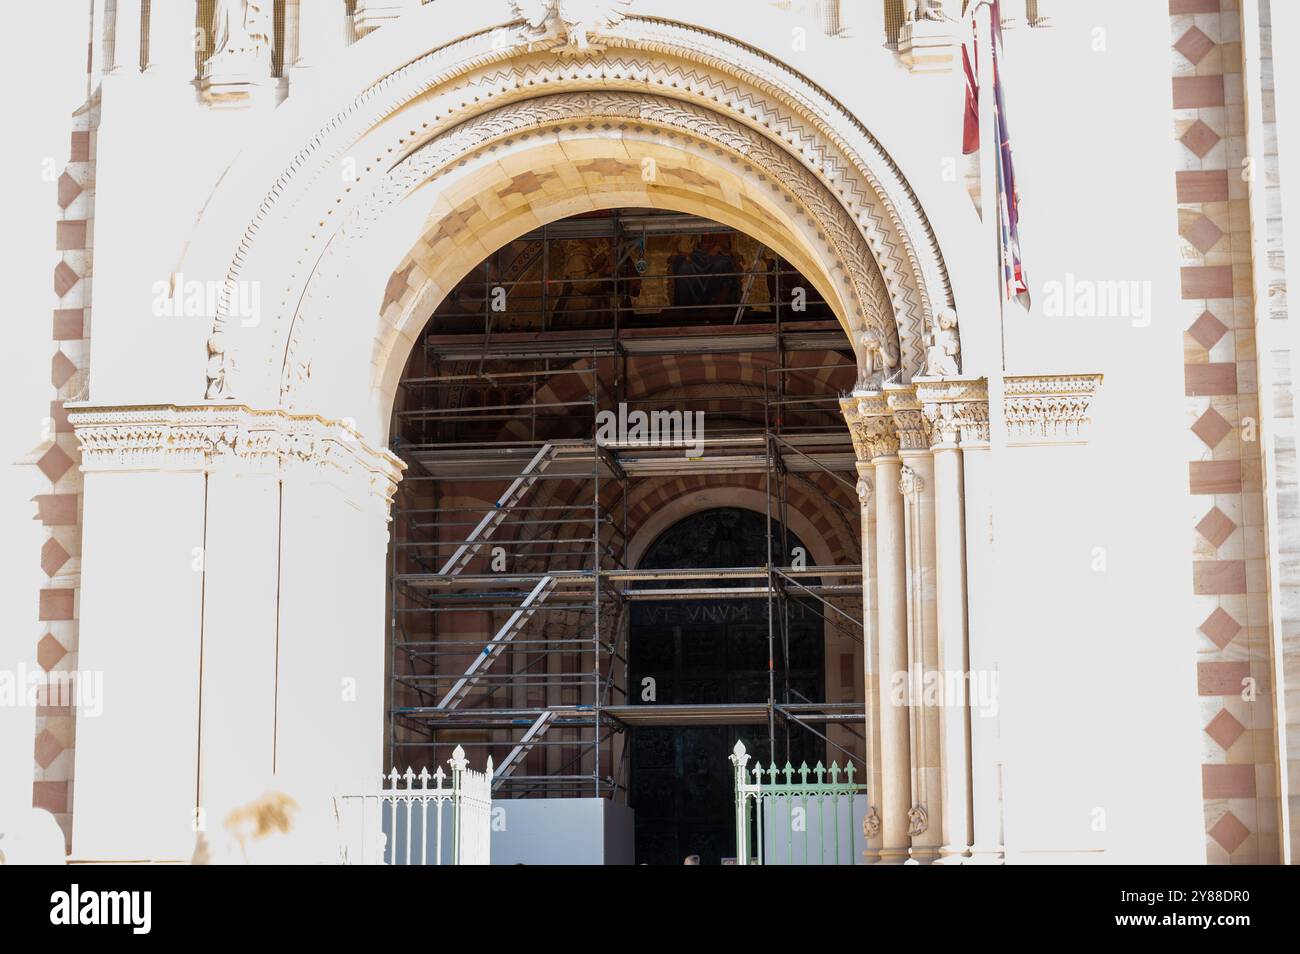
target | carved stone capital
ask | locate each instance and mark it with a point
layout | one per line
(1049, 408)
(957, 409)
(909, 421)
(871, 425)
(218, 437)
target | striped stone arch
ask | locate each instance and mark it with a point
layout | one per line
(355, 219)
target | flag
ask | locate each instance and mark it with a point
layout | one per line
(1007, 199)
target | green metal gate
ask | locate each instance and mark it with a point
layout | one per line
(803, 816)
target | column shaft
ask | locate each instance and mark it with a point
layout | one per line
(126, 37)
(891, 592)
(950, 598)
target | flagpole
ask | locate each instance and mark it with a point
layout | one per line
(987, 779)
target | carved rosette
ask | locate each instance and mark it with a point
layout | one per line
(215, 437)
(957, 410)
(1049, 409)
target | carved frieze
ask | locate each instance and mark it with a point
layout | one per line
(210, 437)
(1049, 409)
(957, 409)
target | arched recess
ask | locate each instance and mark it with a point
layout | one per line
(345, 201)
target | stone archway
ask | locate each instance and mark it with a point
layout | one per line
(472, 114)
(352, 214)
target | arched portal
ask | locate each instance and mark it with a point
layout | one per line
(538, 414)
(355, 212)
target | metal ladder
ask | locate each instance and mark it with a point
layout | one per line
(512, 627)
(518, 488)
(518, 753)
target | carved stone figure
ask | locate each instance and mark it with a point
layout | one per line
(918, 821)
(943, 347)
(216, 369)
(871, 824)
(241, 28)
(914, 10)
(572, 22)
(241, 55)
(879, 357)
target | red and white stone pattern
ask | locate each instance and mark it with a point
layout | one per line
(58, 458)
(1227, 524)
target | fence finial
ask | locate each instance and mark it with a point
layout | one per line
(458, 762)
(739, 757)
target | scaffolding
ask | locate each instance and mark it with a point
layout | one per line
(510, 620)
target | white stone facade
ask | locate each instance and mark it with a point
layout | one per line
(275, 217)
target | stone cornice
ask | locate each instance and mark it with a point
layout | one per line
(214, 437)
(956, 408)
(1049, 408)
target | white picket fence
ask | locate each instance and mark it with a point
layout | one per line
(797, 816)
(426, 825)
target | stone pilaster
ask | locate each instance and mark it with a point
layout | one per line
(233, 560)
(953, 407)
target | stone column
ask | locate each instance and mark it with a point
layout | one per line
(916, 484)
(126, 38)
(873, 687)
(172, 39)
(871, 423)
(947, 404)
(982, 632)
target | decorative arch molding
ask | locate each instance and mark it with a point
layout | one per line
(386, 124)
(699, 132)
